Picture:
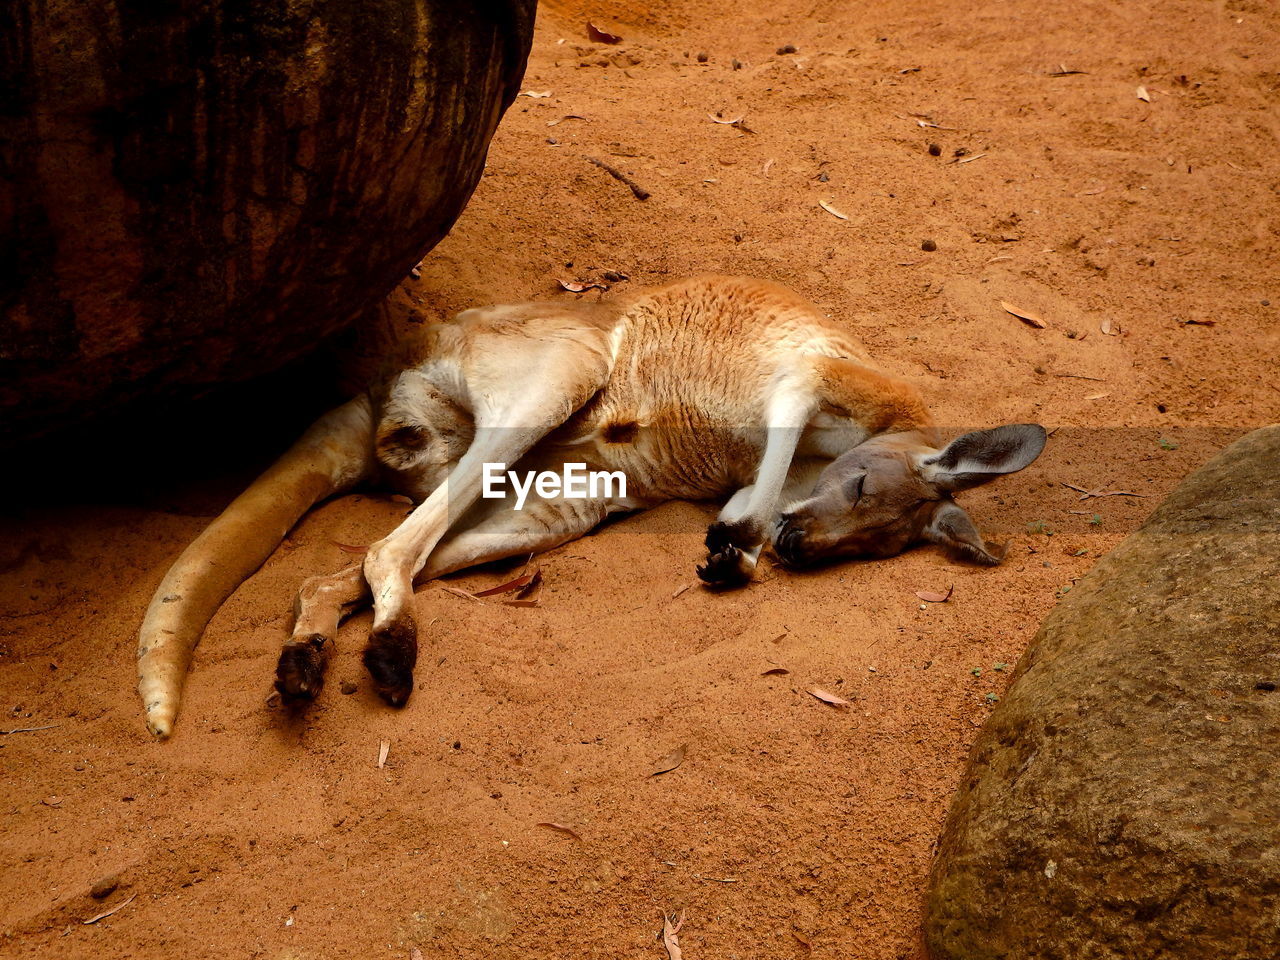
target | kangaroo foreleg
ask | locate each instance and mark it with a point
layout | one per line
(735, 540)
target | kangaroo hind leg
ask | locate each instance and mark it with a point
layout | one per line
(518, 402)
(321, 605)
(497, 534)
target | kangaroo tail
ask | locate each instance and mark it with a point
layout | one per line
(333, 455)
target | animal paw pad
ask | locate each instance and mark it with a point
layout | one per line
(728, 567)
(300, 671)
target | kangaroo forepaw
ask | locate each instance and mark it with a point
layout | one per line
(730, 561)
(300, 670)
(390, 658)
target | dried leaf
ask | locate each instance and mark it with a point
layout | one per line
(832, 210)
(680, 590)
(415, 954)
(563, 828)
(519, 583)
(1200, 323)
(401, 498)
(383, 749)
(829, 698)
(1109, 328)
(669, 938)
(51, 801)
(106, 913)
(775, 672)
(530, 588)
(932, 596)
(803, 940)
(536, 94)
(1097, 396)
(351, 547)
(1141, 94)
(976, 156)
(1024, 315)
(596, 35)
(764, 171)
(581, 286)
(567, 116)
(530, 594)
(715, 119)
(1091, 192)
(670, 761)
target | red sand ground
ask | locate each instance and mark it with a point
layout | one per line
(791, 828)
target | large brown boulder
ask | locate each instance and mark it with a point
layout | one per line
(1123, 801)
(196, 192)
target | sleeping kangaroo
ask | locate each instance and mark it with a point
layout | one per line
(704, 388)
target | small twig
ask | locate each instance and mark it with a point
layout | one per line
(29, 729)
(1100, 492)
(106, 913)
(1081, 376)
(459, 592)
(640, 192)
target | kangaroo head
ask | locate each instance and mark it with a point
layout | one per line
(895, 490)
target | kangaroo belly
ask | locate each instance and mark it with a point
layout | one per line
(685, 409)
(664, 454)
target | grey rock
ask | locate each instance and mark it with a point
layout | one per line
(1123, 800)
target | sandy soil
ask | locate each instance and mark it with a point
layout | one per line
(791, 828)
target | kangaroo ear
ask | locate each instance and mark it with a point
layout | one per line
(951, 528)
(983, 455)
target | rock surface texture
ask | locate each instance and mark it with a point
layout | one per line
(1123, 800)
(194, 193)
